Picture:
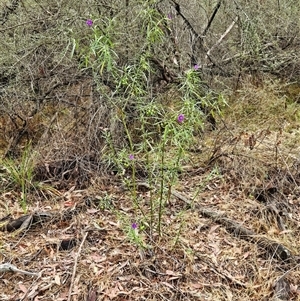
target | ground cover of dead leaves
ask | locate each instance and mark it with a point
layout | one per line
(194, 259)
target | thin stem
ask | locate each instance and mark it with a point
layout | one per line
(161, 188)
(133, 176)
(162, 177)
(151, 196)
(131, 149)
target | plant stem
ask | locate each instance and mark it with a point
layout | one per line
(161, 187)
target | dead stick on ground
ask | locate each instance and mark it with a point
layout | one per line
(274, 248)
(7, 267)
(75, 266)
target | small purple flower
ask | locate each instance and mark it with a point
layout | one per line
(196, 67)
(89, 22)
(180, 118)
(134, 226)
(131, 157)
(170, 17)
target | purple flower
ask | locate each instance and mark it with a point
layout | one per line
(131, 157)
(170, 17)
(134, 226)
(180, 118)
(196, 67)
(89, 22)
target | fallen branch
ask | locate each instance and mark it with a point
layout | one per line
(274, 248)
(7, 267)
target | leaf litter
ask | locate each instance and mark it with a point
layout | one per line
(226, 247)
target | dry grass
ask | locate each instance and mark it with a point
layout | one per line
(246, 170)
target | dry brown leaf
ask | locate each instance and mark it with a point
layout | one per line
(57, 279)
(294, 288)
(168, 285)
(92, 295)
(92, 210)
(33, 292)
(69, 203)
(173, 273)
(246, 255)
(112, 292)
(215, 247)
(23, 288)
(98, 258)
(196, 286)
(214, 228)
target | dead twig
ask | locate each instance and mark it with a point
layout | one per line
(273, 247)
(7, 267)
(222, 37)
(75, 266)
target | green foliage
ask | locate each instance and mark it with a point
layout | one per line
(151, 25)
(134, 235)
(105, 202)
(20, 174)
(158, 136)
(100, 53)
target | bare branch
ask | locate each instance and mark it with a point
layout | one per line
(212, 18)
(7, 267)
(222, 37)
